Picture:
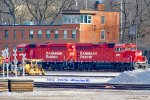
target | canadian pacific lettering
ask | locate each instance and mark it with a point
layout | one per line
(87, 55)
(53, 54)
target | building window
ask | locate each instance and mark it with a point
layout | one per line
(86, 19)
(69, 19)
(102, 19)
(89, 19)
(14, 33)
(22, 34)
(48, 34)
(39, 34)
(81, 19)
(31, 34)
(74, 34)
(56, 34)
(65, 34)
(102, 35)
(64, 19)
(6, 34)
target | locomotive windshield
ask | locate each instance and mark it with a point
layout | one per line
(20, 49)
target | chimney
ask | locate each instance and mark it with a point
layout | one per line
(99, 5)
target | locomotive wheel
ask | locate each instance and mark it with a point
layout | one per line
(126, 67)
(54, 67)
(122, 67)
(80, 67)
(50, 68)
(86, 67)
(117, 67)
(61, 68)
(90, 67)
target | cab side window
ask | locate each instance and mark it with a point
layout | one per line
(20, 49)
(118, 50)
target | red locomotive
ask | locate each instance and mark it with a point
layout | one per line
(85, 57)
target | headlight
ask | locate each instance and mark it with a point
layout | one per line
(140, 54)
(136, 54)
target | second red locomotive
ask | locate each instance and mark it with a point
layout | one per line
(85, 57)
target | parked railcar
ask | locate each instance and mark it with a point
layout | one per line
(85, 57)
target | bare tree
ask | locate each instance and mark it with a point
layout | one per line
(135, 17)
(8, 7)
(41, 10)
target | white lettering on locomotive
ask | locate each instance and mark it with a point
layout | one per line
(87, 55)
(53, 54)
(117, 55)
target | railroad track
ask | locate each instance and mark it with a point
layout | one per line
(60, 76)
(74, 76)
(93, 86)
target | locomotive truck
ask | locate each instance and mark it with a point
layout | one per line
(84, 56)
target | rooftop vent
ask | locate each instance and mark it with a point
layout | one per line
(99, 5)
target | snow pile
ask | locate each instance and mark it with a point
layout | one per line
(132, 77)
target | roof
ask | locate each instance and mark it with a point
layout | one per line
(127, 44)
(22, 45)
(93, 12)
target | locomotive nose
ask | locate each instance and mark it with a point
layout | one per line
(138, 53)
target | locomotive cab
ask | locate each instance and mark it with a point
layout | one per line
(129, 53)
(21, 49)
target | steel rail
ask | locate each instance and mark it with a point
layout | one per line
(93, 86)
(63, 76)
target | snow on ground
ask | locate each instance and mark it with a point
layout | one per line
(62, 79)
(87, 77)
(139, 76)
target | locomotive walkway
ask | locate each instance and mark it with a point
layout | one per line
(82, 74)
(93, 86)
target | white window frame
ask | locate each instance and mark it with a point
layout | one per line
(48, 34)
(31, 33)
(56, 33)
(89, 19)
(39, 34)
(6, 34)
(103, 34)
(74, 32)
(14, 33)
(76, 19)
(65, 19)
(22, 34)
(65, 34)
(103, 18)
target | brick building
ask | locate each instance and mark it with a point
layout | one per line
(78, 26)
